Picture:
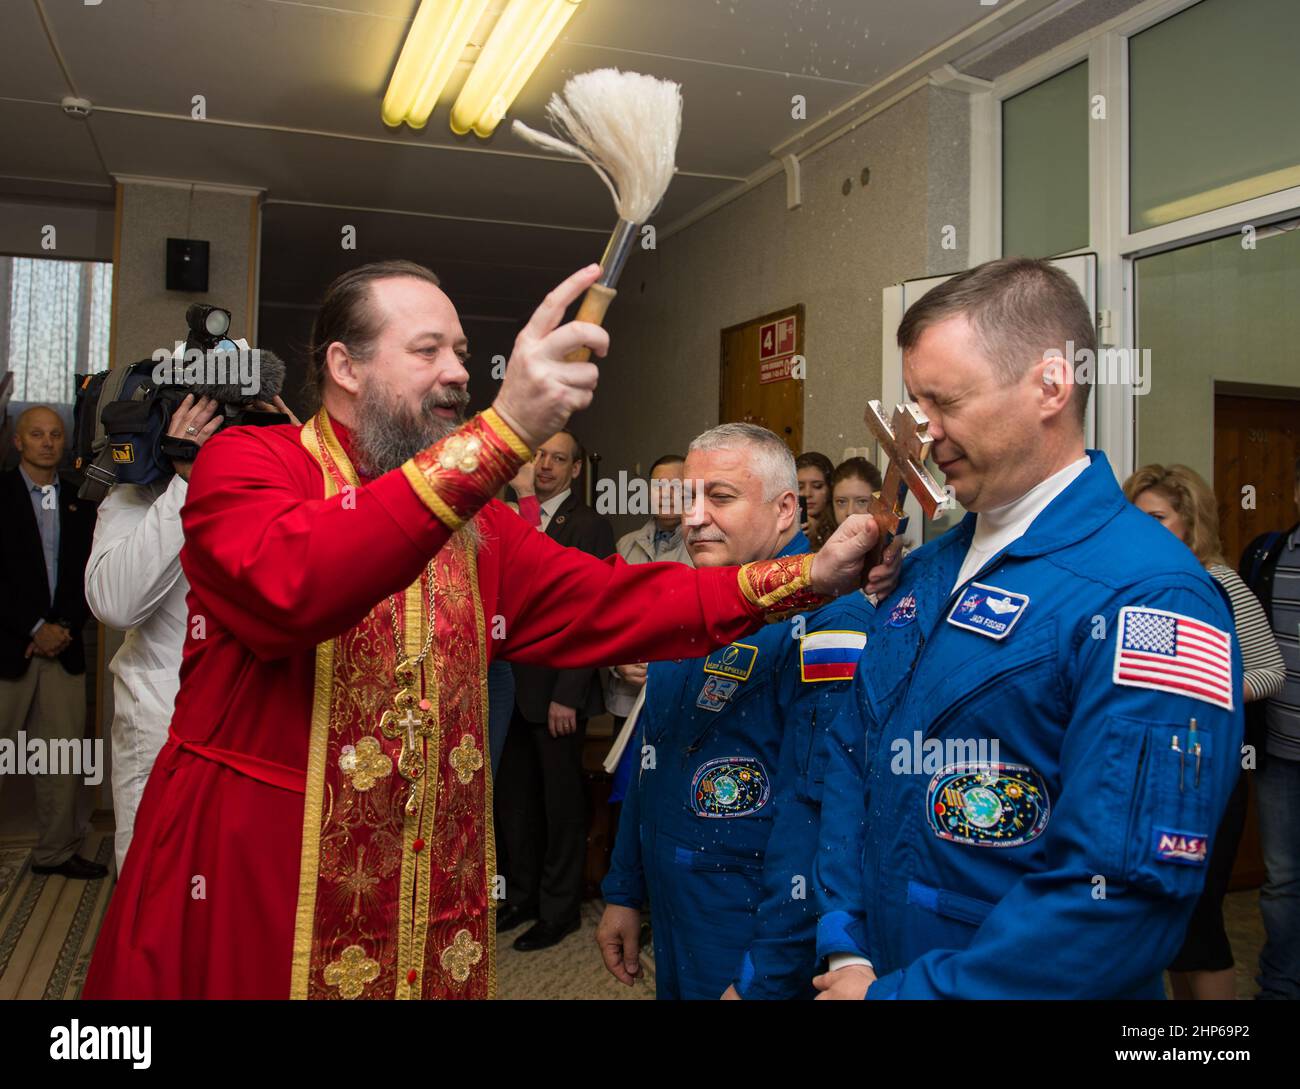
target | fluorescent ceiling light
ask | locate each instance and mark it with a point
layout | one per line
(519, 41)
(434, 44)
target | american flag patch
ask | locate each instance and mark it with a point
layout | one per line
(1174, 653)
(830, 655)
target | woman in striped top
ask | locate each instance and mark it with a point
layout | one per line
(1180, 499)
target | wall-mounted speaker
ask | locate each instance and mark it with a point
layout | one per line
(187, 264)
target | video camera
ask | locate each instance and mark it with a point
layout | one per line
(122, 415)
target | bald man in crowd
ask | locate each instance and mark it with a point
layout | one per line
(45, 535)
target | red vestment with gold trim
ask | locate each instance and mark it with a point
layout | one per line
(319, 822)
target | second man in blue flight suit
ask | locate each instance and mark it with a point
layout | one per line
(722, 742)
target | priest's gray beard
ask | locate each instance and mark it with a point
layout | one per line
(388, 434)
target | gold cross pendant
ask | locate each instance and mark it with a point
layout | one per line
(411, 719)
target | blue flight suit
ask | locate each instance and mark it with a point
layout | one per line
(1067, 864)
(720, 739)
(782, 955)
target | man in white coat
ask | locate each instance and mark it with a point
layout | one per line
(134, 583)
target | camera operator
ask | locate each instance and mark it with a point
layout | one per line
(134, 583)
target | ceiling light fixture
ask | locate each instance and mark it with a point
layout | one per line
(519, 41)
(434, 44)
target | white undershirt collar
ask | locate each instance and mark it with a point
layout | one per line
(998, 527)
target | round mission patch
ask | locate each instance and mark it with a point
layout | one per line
(729, 786)
(988, 805)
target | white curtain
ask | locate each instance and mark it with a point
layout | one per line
(55, 326)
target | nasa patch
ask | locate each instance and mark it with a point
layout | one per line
(715, 693)
(988, 610)
(1184, 848)
(903, 613)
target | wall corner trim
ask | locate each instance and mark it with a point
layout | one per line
(950, 79)
(793, 182)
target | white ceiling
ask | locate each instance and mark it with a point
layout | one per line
(293, 89)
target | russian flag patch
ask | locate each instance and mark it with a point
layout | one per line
(830, 655)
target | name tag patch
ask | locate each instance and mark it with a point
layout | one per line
(729, 786)
(988, 610)
(1184, 848)
(830, 655)
(736, 660)
(715, 693)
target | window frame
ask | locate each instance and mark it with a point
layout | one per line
(1105, 48)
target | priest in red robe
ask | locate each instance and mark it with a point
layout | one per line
(319, 823)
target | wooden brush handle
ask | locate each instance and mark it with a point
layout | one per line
(594, 305)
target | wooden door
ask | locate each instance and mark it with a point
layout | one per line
(1256, 442)
(761, 374)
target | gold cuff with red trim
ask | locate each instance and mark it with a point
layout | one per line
(458, 474)
(780, 587)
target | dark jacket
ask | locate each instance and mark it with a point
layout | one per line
(578, 526)
(1259, 565)
(24, 585)
(1258, 568)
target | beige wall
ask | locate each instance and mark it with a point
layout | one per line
(834, 254)
(146, 316)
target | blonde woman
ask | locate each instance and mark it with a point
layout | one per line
(1183, 503)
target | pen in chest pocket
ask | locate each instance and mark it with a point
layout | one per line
(1193, 749)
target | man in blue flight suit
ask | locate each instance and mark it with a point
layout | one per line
(1045, 728)
(721, 739)
(782, 951)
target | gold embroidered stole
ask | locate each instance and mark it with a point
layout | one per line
(392, 905)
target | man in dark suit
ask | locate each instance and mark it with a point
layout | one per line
(45, 538)
(541, 804)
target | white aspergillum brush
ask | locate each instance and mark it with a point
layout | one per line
(625, 126)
